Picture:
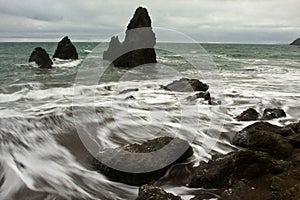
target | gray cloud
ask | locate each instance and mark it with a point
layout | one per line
(259, 21)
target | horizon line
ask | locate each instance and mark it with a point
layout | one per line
(174, 42)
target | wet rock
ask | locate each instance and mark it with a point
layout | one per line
(41, 58)
(129, 97)
(187, 85)
(129, 90)
(276, 196)
(266, 126)
(295, 140)
(295, 160)
(296, 42)
(229, 194)
(262, 136)
(204, 95)
(293, 193)
(273, 114)
(151, 192)
(138, 164)
(276, 183)
(206, 195)
(248, 115)
(225, 170)
(294, 126)
(138, 46)
(65, 50)
(235, 191)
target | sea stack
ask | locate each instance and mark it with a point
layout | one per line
(138, 46)
(65, 50)
(41, 58)
(296, 42)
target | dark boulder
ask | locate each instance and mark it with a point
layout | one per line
(65, 50)
(273, 114)
(296, 42)
(151, 192)
(224, 170)
(145, 163)
(41, 58)
(138, 46)
(263, 136)
(186, 85)
(248, 115)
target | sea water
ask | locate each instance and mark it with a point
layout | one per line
(45, 113)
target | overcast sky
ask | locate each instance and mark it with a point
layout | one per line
(239, 21)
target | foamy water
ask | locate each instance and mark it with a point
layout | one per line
(44, 113)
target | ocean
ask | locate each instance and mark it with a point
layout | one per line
(46, 114)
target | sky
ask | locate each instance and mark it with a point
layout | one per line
(226, 21)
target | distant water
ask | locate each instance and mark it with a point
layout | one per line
(41, 111)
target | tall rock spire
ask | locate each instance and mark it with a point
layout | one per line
(138, 46)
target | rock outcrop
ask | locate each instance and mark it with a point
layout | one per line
(186, 85)
(138, 46)
(248, 115)
(141, 164)
(296, 42)
(41, 58)
(224, 170)
(267, 169)
(65, 50)
(265, 137)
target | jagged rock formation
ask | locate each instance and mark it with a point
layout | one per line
(296, 42)
(65, 50)
(138, 46)
(41, 58)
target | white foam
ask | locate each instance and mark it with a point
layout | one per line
(68, 63)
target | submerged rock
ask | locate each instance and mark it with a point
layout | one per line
(187, 85)
(41, 58)
(129, 90)
(273, 114)
(151, 192)
(263, 136)
(296, 42)
(138, 46)
(204, 95)
(65, 50)
(248, 115)
(145, 163)
(224, 170)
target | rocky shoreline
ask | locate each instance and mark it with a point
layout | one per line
(266, 164)
(262, 171)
